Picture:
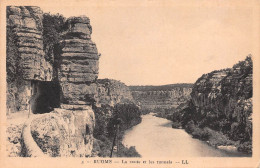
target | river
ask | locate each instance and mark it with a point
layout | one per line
(154, 137)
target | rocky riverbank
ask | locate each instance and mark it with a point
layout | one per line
(220, 108)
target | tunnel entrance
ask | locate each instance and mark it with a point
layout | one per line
(45, 96)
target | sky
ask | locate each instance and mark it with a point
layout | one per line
(152, 43)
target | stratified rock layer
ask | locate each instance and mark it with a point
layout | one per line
(77, 75)
(26, 25)
(25, 55)
(226, 92)
(168, 96)
(68, 131)
(222, 101)
(79, 62)
(111, 92)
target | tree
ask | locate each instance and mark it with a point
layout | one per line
(53, 26)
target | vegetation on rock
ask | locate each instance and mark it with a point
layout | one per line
(220, 108)
(53, 26)
(105, 129)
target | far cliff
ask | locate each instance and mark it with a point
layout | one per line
(220, 108)
(161, 97)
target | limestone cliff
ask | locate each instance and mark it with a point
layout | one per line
(64, 132)
(222, 101)
(114, 105)
(50, 71)
(25, 56)
(226, 94)
(165, 96)
(111, 92)
(24, 24)
(79, 62)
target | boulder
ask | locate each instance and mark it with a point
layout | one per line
(66, 132)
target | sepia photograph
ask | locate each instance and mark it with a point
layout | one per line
(130, 83)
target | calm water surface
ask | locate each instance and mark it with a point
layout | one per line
(154, 137)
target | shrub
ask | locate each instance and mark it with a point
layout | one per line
(102, 148)
(176, 117)
(53, 26)
(102, 115)
(145, 111)
(245, 147)
(128, 113)
(176, 125)
(128, 152)
(202, 134)
(107, 117)
(190, 127)
(217, 138)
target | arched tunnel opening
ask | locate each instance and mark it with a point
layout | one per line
(45, 96)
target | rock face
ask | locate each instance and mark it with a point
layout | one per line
(65, 132)
(222, 100)
(32, 85)
(25, 25)
(226, 92)
(79, 62)
(25, 55)
(78, 73)
(102, 92)
(111, 92)
(167, 96)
